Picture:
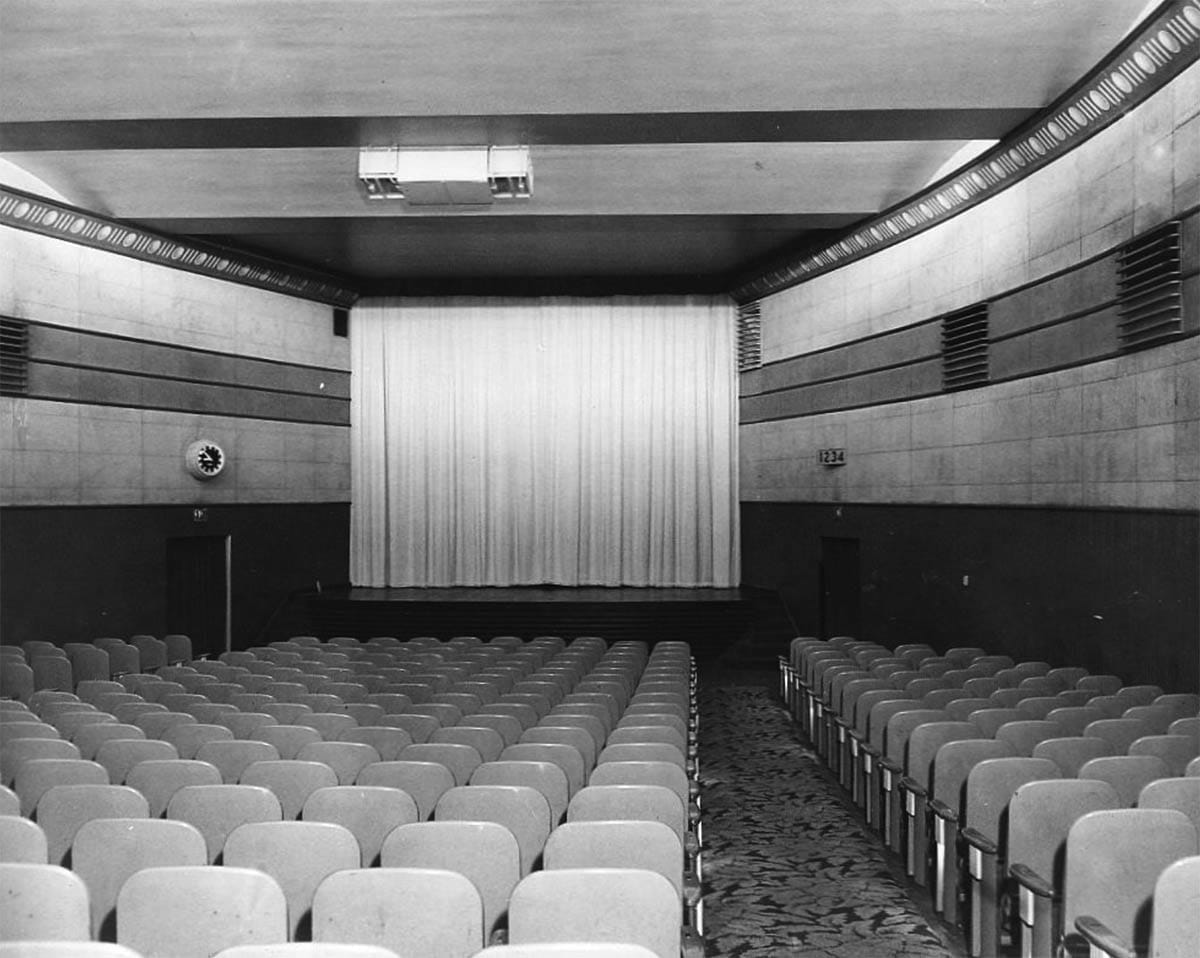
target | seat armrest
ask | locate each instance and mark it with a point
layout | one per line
(1026, 877)
(870, 749)
(891, 765)
(913, 787)
(1100, 936)
(942, 810)
(979, 840)
(842, 723)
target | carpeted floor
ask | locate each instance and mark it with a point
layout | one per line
(790, 868)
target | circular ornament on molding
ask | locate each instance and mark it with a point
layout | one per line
(204, 459)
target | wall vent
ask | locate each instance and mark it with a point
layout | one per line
(965, 348)
(14, 357)
(749, 337)
(1150, 284)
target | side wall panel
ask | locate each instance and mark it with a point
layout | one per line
(1112, 590)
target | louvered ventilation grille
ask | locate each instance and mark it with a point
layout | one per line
(1151, 288)
(749, 333)
(14, 357)
(965, 348)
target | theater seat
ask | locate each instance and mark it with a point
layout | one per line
(486, 852)
(1175, 922)
(567, 757)
(1180, 794)
(1114, 859)
(597, 904)
(216, 810)
(36, 776)
(370, 813)
(307, 949)
(520, 809)
(292, 781)
(298, 855)
(1040, 815)
(647, 845)
(195, 911)
(106, 851)
(419, 912)
(64, 949)
(1174, 750)
(990, 787)
(461, 760)
(15, 752)
(22, 841)
(570, 949)
(1070, 754)
(546, 777)
(64, 808)
(346, 759)
(424, 782)
(387, 741)
(1128, 774)
(42, 903)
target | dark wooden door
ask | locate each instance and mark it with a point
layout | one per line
(198, 591)
(841, 589)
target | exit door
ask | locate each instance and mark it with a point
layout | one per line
(198, 591)
(841, 589)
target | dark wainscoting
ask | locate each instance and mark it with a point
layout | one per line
(72, 574)
(711, 620)
(1114, 590)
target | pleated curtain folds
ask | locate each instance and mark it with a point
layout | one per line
(562, 441)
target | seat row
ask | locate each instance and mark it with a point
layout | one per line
(37, 664)
(591, 810)
(76, 949)
(935, 749)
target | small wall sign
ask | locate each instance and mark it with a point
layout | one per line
(831, 457)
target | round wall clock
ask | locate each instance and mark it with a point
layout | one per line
(204, 459)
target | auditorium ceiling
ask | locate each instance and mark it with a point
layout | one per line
(676, 144)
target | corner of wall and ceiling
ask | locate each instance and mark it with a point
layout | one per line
(1161, 48)
(38, 214)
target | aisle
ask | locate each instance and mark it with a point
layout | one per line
(790, 869)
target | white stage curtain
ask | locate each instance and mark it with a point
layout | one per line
(561, 441)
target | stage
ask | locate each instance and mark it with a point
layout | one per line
(710, 619)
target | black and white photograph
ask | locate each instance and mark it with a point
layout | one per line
(599, 478)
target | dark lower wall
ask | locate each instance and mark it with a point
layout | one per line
(74, 573)
(1115, 591)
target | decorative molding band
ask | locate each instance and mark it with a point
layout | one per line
(1166, 44)
(36, 214)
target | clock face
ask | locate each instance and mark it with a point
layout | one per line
(204, 459)
(210, 459)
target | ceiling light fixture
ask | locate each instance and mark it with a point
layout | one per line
(446, 176)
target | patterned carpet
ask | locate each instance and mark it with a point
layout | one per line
(789, 867)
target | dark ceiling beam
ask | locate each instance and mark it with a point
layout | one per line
(787, 224)
(691, 284)
(792, 126)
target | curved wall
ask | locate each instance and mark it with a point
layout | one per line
(130, 361)
(1065, 493)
